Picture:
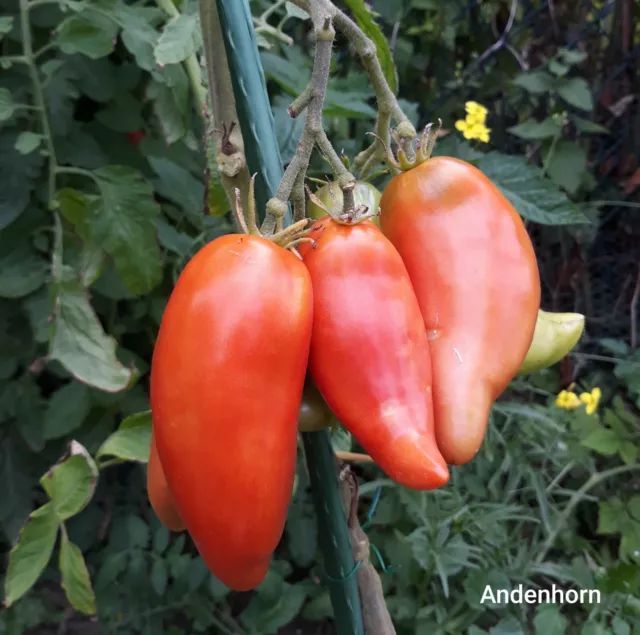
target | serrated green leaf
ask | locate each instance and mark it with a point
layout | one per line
(533, 196)
(171, 113)
(31, 554)
(566, 165)
(80, 344)
(27, 142)
(131, 441)
(603, 441)
(545, 129)
(122, 223)
(576, 92)
(67, 410)
(71, 482)
(90, 33)
(180, 38)
(294, 11)
(75, 577)
(365, 21)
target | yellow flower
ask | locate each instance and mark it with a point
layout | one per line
(592, 399)
(476, 113)
(568, 400)
(473, 130)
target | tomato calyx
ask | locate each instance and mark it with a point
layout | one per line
(351, 216)
(406, 157)
(247, 223)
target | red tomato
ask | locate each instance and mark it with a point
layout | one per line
(475, 274)
(159, 494)
(136, 137)
(369, 350)
(226, 383)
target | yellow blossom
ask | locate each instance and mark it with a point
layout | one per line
(591, 399)
(568, 400)
(472, 130)
(476, 113)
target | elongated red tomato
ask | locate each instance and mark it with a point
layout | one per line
(159, 494)
(226, 382)
(475, 274)
(369, 350)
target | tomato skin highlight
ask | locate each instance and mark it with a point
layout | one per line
(226, 382)
(159, 494)
(369, 351)
(475, 275)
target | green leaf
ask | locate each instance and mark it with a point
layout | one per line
(586, 126)
(536, 129)
(67, 410)
(75, 577)
(603, 441)
(576, 92)
(364, 18)
(6, 25)
(536, 83)
(122, 223)
(507, 626)
(80, 344)
(31, 554)
(266, 615)
(549, 620)
(22, 271)
(170, 111)
(90, 33)
(566, 165)
(572, 57)
(178, 185)
(138, 36)
(71, 483)
(27, 142)
(159, 576)
(131, 441)
(610, 514)
(534, 197)
(122, 114)
(628, 452)
(180, 38)
(7, 107)
(293, 11)
(558, 69)
(19, 172)
(620, 627)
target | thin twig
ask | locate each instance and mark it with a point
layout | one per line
(311, 100)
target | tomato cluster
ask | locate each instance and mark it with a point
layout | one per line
(406, 332)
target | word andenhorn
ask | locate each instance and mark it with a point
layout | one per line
(555, 595)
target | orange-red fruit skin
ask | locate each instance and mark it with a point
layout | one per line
(226, 383)
(369, 350)
(476, 278)
(159, 494)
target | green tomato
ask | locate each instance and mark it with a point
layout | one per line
(364, 194)
(314, 413)
(555, 335)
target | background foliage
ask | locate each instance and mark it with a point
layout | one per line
(100, 120)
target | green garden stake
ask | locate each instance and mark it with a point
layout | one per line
(263, 157)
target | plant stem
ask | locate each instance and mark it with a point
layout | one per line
(388, 106)
(38, 94)
(311, 99)
(190, 64)
(594, 480)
